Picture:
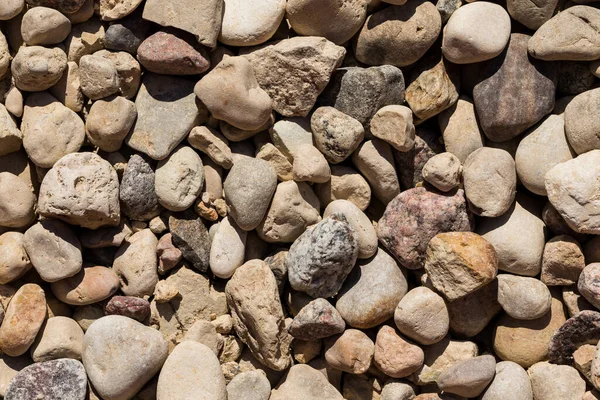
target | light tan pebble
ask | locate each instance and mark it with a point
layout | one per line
(305, 351)
(179, 179)
(8, 10)
(206, 211)
(113, 10)
(290, 133)
(88, 286)
(443, 171)
(169, 256)
(397, 390)
(11, 137)
(44, 26)
(335, 134)
(14, 261)
(136, 264)
(345, 184)
(550, 381)
(14, 102)
(85, 12)
(442, 355)
(61, 337)
(129, 71)
(68, 88)
(9, 367)
(350, 352)
(98, 77)
(109, 121)
(232, 349)
(375, 161)
(250, 385)
(583, 358)
(367, 237)
(523, 297)
(213, 144)
(17, 201)
(85, 316)
(574, 301)
(236, 135)
(223, 324)
(460, 129)
(85, 38)
(562, 262)
(304, 382)
(37, 68)
(164, 292)
(213, 179)
(158, 225)
(511, 380)
(394, 355)
(205, 332)
(418, 305)
(227, 249)
(394, 124)
(468, 378)
(250, 22)
(277, 159)
(5, 57)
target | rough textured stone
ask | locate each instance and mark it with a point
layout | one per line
(304, 382)
(227, 249)
(11, 137)
(523, 297)
(249, 23)
(575, 332)
(9, 368)
(128, 33)
(589, 283)
(68, 88)
(375, 160)
(409, 164)
(417, 215)
(85, 38)
(14, 261)
(98, 77)
(310, 165)
(128, 71)
(556, 381)
(109, 122)
(532, 15)
(345, 184)
(422, 304)
(506, 109)
(562, 262)
(336, 134)
(366, 234)
(442, 355)
(511, 381)
(37, 68)
(136, 264)
(581, 123)
(60, 337)
(574, 301)
(350, 352)
(317, 320)
(179, 179)
(111, 10)
(395, 356)
(191, 237)
(128, 306)
(19, 213)
(443, 171)
(213, 144)
(137, 192)
(468, 378)
(10, 9)
(88, 286)
(44, 26)
(394, 124)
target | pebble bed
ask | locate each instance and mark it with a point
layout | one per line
(299, 200)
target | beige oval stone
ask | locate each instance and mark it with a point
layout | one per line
(60, 337)
(109, 121)
(179, 179)
(17, 201)
(14, 261)
(394, 124)
(37, 68)
(345, 184)
(422, 304)
(460, 129)
(375, 161)
(44, 26)
(90, 285)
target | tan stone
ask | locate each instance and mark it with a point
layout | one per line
(562, 262)
(394, 355)
(88, 286)
(345, 184)
(60, 337)
(350, 352)
(394, 124)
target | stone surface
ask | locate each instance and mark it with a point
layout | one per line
(136, 264)
(60, 337)
(310, 165)
(251, 385)
(460, 129)
(68, 88)
(562, 262)
(394, 124)
(505, 116)
(179, 179)
(14, 261)
(213, 144)
(128, 306)
(397, 390)
(191, 237)
(114, 10)
(288, 134)
(137, 191)
(128, 71)
(98, 77)
(295, 71)
(249, 23)
(575, 332)
(375, 160)
(366, 234)
(589, 284)
(81, 189)
(532, 15)
(511, 380)
(322, 257)
(555, 381)
(468, 378)
(90, 285)
(580, 122)
(64, 6)
(304, 382)
(422, 304)
(417, 215)
(109, 121)
(11, 137)
(350, 352)
(10, 9)
(523, 297)
(316, 320)
(410, 163)
(110, 236)
(394, 355)
(120, 355)
(442, 355)
(469, 315)
(227, 249)
(15, 214)
(44, 26)
(335, 134)
(345, 184)
(10, 367)
(443, 171)
(37, 68)
(85, 38)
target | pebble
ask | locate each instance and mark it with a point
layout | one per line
(15, 214)
(169, 256)
(251, 385)
(588, 284)
(468, 378)
(99, 78)
(294, 208)
(62, 379)
(394, 355)
(258, 319)
(213, 144)
(128, 306)
(574, 301)
(295, 71)
(303, 382)
(127, 34)
(85, 38)
(249, 188)
(10, 9)
(4, 55)
(120, 355)
(14, 261)
(335, 134)
(522, 297)
(138, 190)
(568, 36)
(366, 235)
(558, 226)
(501, 109)
(167, 111)
(85, 12)
(68, 88)
(111, 236)
(510, 381)
(571, 338)
(44, 26)
(562, 262)
(540, 150)
(459, 263)
(310, 165)
(250, 23)
(11, 137)
(192, 370)
(570, 191)
(23, 320)
(398, 35)
(50, 130)
(460, 129)
(90, 285)
(470, 315)
(531, 15)
(81, 189)
(316, 320)
(37, 68)
(371, 292)
(179, 179)
(227, 249)
(109, 121)
(345, 184)
(350, 352)
(288, 134)
(191, 237)
(397, 390)
(442, 355)
(555, 381)
(277, 159)
(394, 124)
(205, 332)
(136, 264)
(111, 10)
(54, 250)
(443, 171)
(60, 337)
(128, 71)
(476, 32)
(322, 257)
(422, 304)
(580, 122)
(414, 217)
(374, 159)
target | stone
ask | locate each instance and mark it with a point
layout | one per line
(522, 297)
(306, 351)
(120, 355)
(574, 301)
(322, 257)
(257, 313)
(11, 137)
(310, 165)
(213, 144)
(562, 261)
(277, 159)
(128, 71)
(138, 192)
(572, 336)
(289, 134)
(503, 117)
(350, 352)
(64, 6)
(588, 284)
(23, 319)
(374, 159)
(571, 35)
(304, 382)
(459, 263)
(335, 134)
(81, 189)
(167, 111)
(90, 285)
(249, 187)
(555, 381)
(54, 250)
(434, 88)
(9, 368)
(192, 370)
(205, 332)
(441, 356)
(60, 337)
(366, 235)
(394, 355)
(111, 10)
(128, 306)
(530, 14)
(570, 192)
(250, 23)
(50, 130)
(398, 35)
(295, 71)
(469, 315)
(414, 217)
(386, 87)
(85, 38)
(294, 207)
(11, 9)
(227, 249)
(37, 68)
(136, 264)
(525, 342)
(85, 316)
(63, 379)
(490, 181)
(511, 381)
(251, 385)
(111, 236)
(179, 179)
(468, 378)
(422, 304)
(44, 26)
(191, 237)
(109, 121)
(580, 122)
(85, 13)
(460, 129)
(540, 150)
(128, 33)
(345, 184)
(476, 32)
(558, 226)
(394, 124)
(14, 261)
(169, 256)
(15, 214)
(4, 54)
(316, 320)
(443, 171)
(68, 88)
(574, 77)
(397, 390)
(201, 20)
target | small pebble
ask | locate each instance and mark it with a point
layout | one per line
(351, 352)
(443, 171)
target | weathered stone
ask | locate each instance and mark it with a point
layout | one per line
(251, 385)
(345, 184)
(213, 144)
(17, 201)
(128, 33)
(410, 164)
(468, 378)
(128, 306)
(394, 124)
(443, 171)
(556, 381)
(511, 380)
(136, 264)
(85, 38)
(191, 237)
(310, 165)
(88, 286)
(395, 356)
(366, 235)
(574, 301)
(304, 382)
(44, 26)
(68, 88)
(532, 15)
(11, 137)
(37, 68)
(460, 129)
(317, 320)
(109, 122)
(10, 9)
(441, 356)
(227, 249)
(179, 179)
(375, 160)
(576, 331)
(336, 134)
(137, 192)
(422, 304)
(581, 122)
(562, 261)
(128, 71)
(350, 352)
(523, 297)
(112, 10)
(249, 23)
(60, 337)
(14, 261)
(98, 76)
(9, 368)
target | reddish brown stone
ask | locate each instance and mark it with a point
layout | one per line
(166, 53)
(578, 330)
(128, 306)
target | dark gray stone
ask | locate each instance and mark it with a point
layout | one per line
(276, 262)
(317, 320)
(62, 379)
(137, 194)
(64, 6)
(128, 33)
(191, 237)
(447, 8)
(574, 77)
(322, 257)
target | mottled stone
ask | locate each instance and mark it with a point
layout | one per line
(37, 68)
(351, 352)
(576, 331)
(532, 15)
(111, 10)
(109, 121)
(335, 134)
(128, 306)
(317, 320)
(179, 179)
(191, 237)
(394, 355)
(442, 355)
(137, 192)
